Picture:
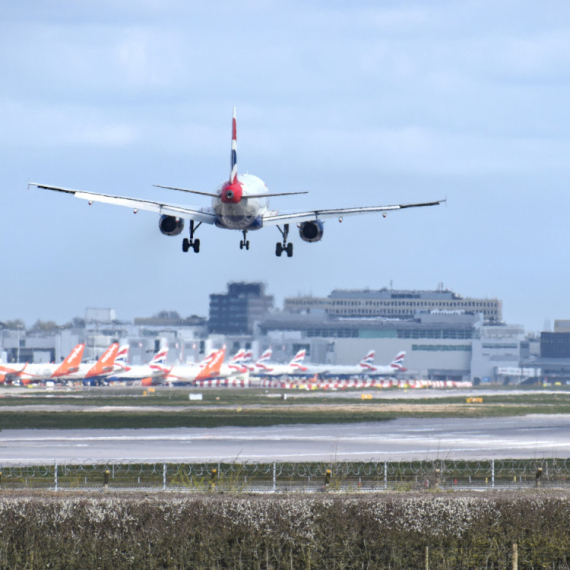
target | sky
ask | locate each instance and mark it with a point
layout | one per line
(359, 103)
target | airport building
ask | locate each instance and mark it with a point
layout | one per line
(441, 341)
(394, 303)
(237, 311)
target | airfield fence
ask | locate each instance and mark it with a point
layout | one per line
(365, 476)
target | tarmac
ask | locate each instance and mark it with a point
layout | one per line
(531, 436)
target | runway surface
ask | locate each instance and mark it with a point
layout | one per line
(533, 436)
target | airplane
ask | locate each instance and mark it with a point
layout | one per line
(397, 365)
(241, 203)
(38, 372)
(148, 374)
(93, 374)
(264, 368)
(366, 367)
(208, 369)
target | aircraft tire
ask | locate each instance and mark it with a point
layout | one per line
(278, 249)
(247, 245)
(289, 250)
(185, 245)
(196, 246)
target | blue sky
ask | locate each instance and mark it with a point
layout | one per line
(360, 103)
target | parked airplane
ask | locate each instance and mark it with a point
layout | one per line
(38, 372)
(147, 374)
(94, 374)
(366, 367)
(187, 373)
(397, 365)
(264, 368)
(240, 204)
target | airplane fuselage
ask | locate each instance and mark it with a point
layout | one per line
(234, 210)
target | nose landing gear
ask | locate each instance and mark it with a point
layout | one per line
(191, 243)
(281, 247)
(244, 242)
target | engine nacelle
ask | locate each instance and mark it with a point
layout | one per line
(170, 226)
(311, 231)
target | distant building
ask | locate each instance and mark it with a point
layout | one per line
(100, 315)
(393, 303)
(237, 311)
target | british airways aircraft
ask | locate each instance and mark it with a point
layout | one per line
(241, 203)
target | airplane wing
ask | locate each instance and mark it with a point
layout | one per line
(273, 219)
(199, 214)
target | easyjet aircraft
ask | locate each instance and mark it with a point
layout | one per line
(37, 372)
(241, 203)
(208, 369)
(92, 374)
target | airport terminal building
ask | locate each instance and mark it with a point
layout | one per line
(444, 335)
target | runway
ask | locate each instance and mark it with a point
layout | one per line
(532, 436)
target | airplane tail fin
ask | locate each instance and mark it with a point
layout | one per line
(106, 364)
(265, 357)
(368, 360)
(238, 356)
(213, 365)
(398, 362)
(71, 363)
(233, 170)
(122, 357)
(297, 361)
(159, 360)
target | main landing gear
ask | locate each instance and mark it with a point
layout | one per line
(281, 247)
(191, 243)
(244, 242)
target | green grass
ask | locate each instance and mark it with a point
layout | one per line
(220, 408)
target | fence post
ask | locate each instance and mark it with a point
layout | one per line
(164, 469)
(327, 479)
(493, 473)
(538, 476)
(274, 477)
(385, 474)
(213, 479)
(106, 479)
(55, 476)
(515, 557)
(427, 557)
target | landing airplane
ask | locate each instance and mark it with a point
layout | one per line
(241, 203)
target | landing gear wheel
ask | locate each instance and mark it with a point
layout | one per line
(185, 245)
(196, 246)
(289, 250)
(247, 245)
(278, 249)
(241, 244)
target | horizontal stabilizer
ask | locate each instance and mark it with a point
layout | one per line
(189, 191)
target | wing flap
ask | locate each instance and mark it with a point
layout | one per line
(199, 215)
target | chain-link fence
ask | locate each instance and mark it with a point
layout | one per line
(286, 477)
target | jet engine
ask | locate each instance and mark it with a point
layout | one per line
(311, 231)
(170, 226)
